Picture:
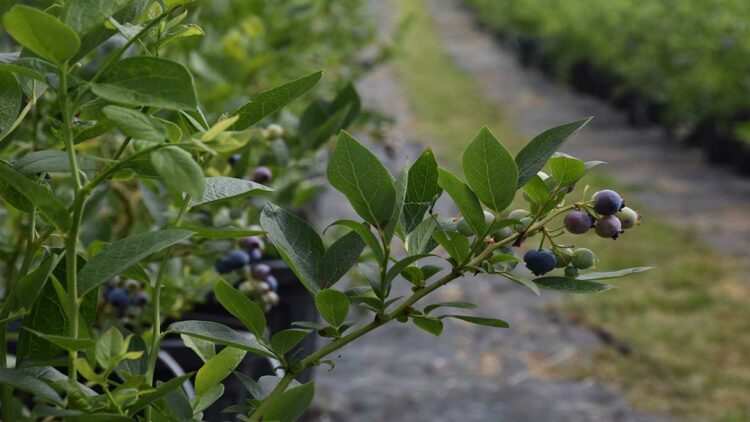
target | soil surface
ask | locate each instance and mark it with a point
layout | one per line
(473, 373)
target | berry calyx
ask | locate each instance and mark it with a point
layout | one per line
(540, 261)
(628, 217)
(583, 258)
(262, 174)
(578, 222)
(607, 202)
(609, 227)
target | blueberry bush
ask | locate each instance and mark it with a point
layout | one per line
(120, 190)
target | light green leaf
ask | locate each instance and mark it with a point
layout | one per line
(268, 102)
(203, 401)
(490, 322)
(535, 154)
(218, 128)
(340, 257)
(217, 368)
(52, 209)
(123, 254)
(29, 384)
(67, 343)
(613, 274)
(291, 404)
(361, 177)
(241, 307)
(41, 33)
(109, 348)
(203, 348)
(226, 188)
(219, 334)
(284, 341)
(333, 306)
(148, 81)
(490, 171)
(179, 171)
(421, 240)
(456, 244)
(465, 200)
(571, 285)
(297, 242)
(50, 161)
(422, 190)
(135, 124)
(222, 233)
(566, 169)
(11, 99)
(179, 32)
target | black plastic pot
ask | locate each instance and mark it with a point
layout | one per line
(296, 304)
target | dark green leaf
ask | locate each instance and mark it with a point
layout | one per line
(460, 305)
(364, 232)
(291, 404)
(362, 178)
(219, 334)
(571, 285)
(401, 265)
(268, 102)
(239, 305)
(348, 98)
(284, 341)
(41, 33)
(421, 241)
(123, 254)
(29, 384)
(613, 274)
(85, 15)
(227, 188)
(537, 190)
(422, 190)
(566, 169)
(50, 161)
(37, 195)
(148, 81)
(333, 306)
(341, 256)
(135, 124)
(456, 244)
(10, 100)
(160, 391)
(222, 233)
(398, 208)
(432, 325)
(465, 200)
(490, 171)
(28, 288)
(67, 343)
(490, 322)
(535, 154)
(179, 171)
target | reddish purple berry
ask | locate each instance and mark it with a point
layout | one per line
(261, 271)
(540, 261)
(262, 174)
(253, 242)
(607, 202)
(609, 226)
(142, 298)
(578, 222)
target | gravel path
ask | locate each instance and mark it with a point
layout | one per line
(469, 373)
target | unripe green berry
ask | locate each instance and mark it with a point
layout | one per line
(518, 214)
(571, 272)
(503, 233)
(563, 256)
(628, 217)
(583, 258)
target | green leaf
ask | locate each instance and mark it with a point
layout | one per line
(29, 384)
(465, 200)
(422, 190)
(571, 285)
(537, 190)
(203, 348)
(28, 288)
(490, 171)
(297, 242)
(179, 32)
(219, 334)
(401, 265)
(535, 154)
(179, 171)
(361, 177)
(227, 188)
(364, 232)
(268, 102)
(456, 244)
(291, 404)
(320, 134)
(202, 401)
(148, 81)
(160, 391)
(490, 322)
(333, 306)
(11, 99)
(421, 241)
(85, 15)
(217, 368)
(529, 284)
(239, 305)
(432, 325)
(135, 124)
(348, 98)
(613, 274)
(460, 305)
(123, 254)
(52, 209)
(67, 343)
(109, 347)
(340, 257)
(222, 233)
(41, 33)
(400, 185)
(566, 170)
(50, 161)
(284, 341)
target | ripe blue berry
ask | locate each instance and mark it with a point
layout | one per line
(540, 261)
(261, 271)
(607, 202)
(253, 242)
(628, 217)
(234, 159)
(256, 255)
(609, 226)
(583, 258)
(578, 222)
(118, 298)
(234, 260)
(262, 174)
(272, 283)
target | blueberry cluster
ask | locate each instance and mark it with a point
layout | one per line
(126, 299)
(612, 216)
(261, 174)
(256, 280)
